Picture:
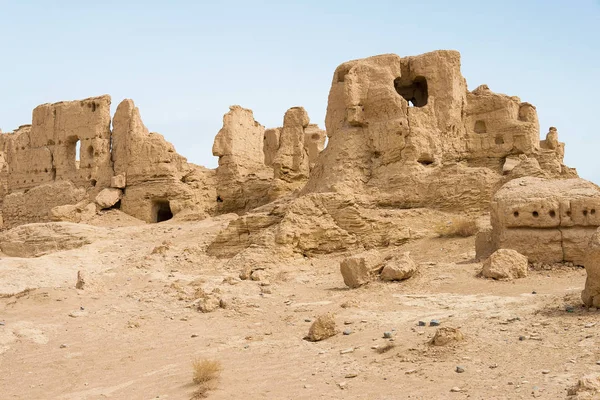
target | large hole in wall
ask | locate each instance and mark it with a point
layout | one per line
(415, 91)
(161, 210)
(73, 151)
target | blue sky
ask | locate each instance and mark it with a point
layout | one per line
(185, 62)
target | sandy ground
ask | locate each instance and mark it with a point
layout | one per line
(133, 332)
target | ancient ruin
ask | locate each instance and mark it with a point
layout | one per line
(548, 221)
(402, 220)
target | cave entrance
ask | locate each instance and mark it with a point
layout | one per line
(414, 91)
(161, 210)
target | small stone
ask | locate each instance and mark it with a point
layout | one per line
(63, 346)
(194, 335)
(348, 322)
(569, 309)
(460, 369)
(347, 332)
(347, 351)
(545, 371)
(422, 323)
(434, 322)
(1, 323)
(387, 335)
(493, 366)
(308, 320)
(456, 389)
(351, 375)
(342, 385)
(590, 325)
(522, 338)
(410, 371)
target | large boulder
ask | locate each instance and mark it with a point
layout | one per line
(399, 268)
(360, 268)
(591, 292)
(505, 264)
(108, 197)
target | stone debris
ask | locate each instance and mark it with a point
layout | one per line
(324, 327)
(505, 264)
(447, 335)
(360, 269)
(398, 268)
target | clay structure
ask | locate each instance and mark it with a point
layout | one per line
(548, 221)
(402, 133)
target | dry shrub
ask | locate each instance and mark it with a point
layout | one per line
(206, 374)
(457, 227)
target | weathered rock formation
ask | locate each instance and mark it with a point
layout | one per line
(407, 132)
(243, 179)
(591, 293)
(70, 154)
(546, 220)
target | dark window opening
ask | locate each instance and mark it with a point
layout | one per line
(219, 199)
(585, 213)
(535, 214)
(161, 211)
(415, 91)
(516, 214)
(499, 140)
(480, 127)
(93, 183)
(552, 213)
(425, 161)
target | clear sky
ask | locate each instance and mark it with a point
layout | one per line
(185, 62)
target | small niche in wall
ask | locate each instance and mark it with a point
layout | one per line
(480, 126)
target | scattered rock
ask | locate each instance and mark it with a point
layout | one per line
(347, 332)
(208, 304)
(108, 197)
(324, 327)
(456, 389)
(434, 322)
(347, 351)
(63, 346)
(460, 369)
(387, 335)
(399, 268)
(258, 275)
(351, 375)
(422, 323)
(360, 268)
(545, 371)
(505, 264)
(589, 384)
(446, 335)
